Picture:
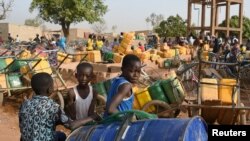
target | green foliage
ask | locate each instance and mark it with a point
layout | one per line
(65, 12)
(36, 22)
(234, 22)
(172, 27)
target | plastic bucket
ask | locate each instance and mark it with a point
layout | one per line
(156, 92)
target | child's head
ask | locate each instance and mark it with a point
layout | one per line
(42, 84)
(131, 68)
(90, 36)
(132, 47)
(99, 38)
(234, 51)
(84, 73)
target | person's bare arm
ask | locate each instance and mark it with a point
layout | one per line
(73, 124)
(122, 93)
(70, 107)
(92, 105)
(77, 123)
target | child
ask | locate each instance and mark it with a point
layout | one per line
(62, 43)
(82, 98)
(39, 116)
(90, 43)
(52, 56)
(140, 46)
(99, 43)
(121, 97)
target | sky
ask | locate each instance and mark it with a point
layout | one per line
(127, 15)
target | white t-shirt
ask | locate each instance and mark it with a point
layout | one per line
(82, 105)
(17, 40)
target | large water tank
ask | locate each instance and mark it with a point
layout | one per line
(190, 129)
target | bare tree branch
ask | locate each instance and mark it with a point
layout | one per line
(99, 27)
(114, 27)
(154, 19)
(5, 7)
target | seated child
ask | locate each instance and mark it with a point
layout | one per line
(82, 98)
(120, 97)
(39, 116)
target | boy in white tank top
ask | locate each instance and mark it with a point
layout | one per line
(82, 98)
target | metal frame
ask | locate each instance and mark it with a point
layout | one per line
(236, 107)
(6, 72)
(55, 72)
(214, 27)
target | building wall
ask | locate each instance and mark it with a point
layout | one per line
(77, 33)
(25, 33)
(146, 32)
(73, 34)
(4, 30)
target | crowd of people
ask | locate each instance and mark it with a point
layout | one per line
(228, 47)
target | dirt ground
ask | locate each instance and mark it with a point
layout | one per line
(9, 123)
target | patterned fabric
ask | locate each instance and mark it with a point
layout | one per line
(53, 59)
(38, 118)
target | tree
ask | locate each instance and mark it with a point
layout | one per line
(193, 32)
(5, 7)
(113, 28)
(66, 12)
(99, 27)
(172, 27)
(36, 22)
(154, 19)
(234, 22)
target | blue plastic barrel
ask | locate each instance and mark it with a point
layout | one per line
(191, 129)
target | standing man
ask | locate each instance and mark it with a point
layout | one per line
(37, 39)
(62, 43)
(17, 39)
(10, 39)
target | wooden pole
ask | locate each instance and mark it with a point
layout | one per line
(203, 16)
(228, 17)
(241, 21)
(189, 20)
(213, 17)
